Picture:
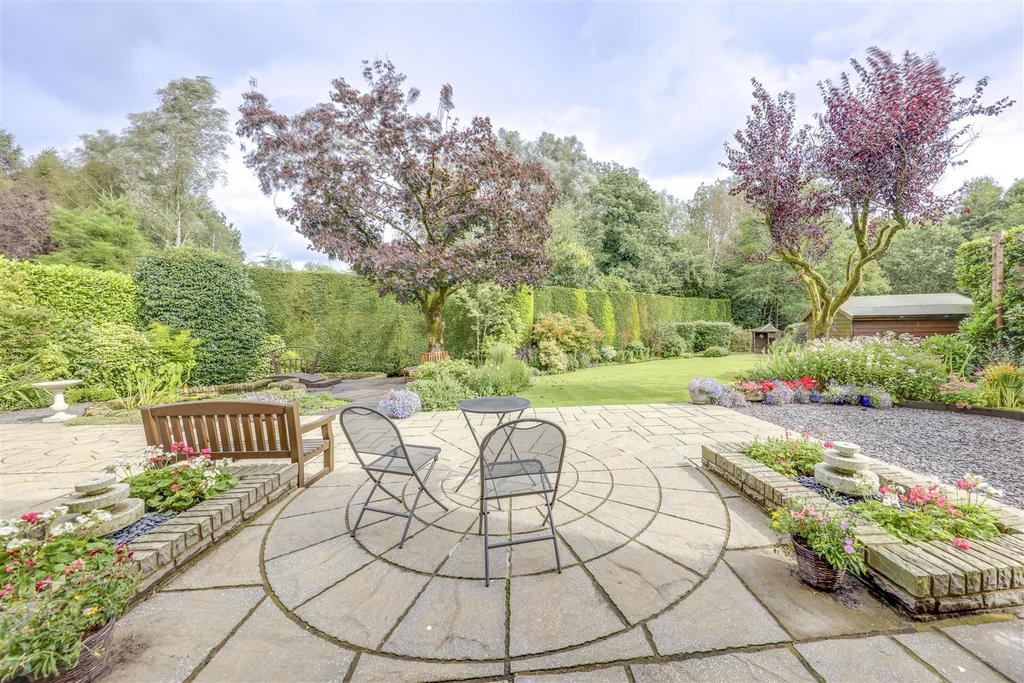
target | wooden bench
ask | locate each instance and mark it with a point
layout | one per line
(243, 430)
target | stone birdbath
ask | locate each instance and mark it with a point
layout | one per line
(845, 470)
(59, 405)
(104, 492)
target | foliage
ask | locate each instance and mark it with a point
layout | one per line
(24, 221)
(442, 385)
(827, 532)
(77, 294)
(922, 259)
(955, 351)
(572, 266)
(789, 457)
(212, 297)
(706, 386)
(60, 582)
(572, 335)
(739, 340)
(702, 334)
(491, 315)
(896, 364)
(175, 481)
(926, 513)
(147, 387)
(462, 209)
(666, 342)
(1004, 386)
(551, 357)
(634, 352)
(714, 352)
(884, 140)
(986, 209)
(399, 403)
(974, 276)
(106, 238)
(441, 393)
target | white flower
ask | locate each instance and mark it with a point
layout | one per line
(63, 529)
(47, 515)
(6, 531)
(16, 543)
(891, 500)
(101, 515)
(60, 510)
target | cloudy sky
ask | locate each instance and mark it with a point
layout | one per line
(658, 86)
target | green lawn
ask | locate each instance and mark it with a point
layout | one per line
(656, 381)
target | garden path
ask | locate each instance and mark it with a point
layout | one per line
(668, 575)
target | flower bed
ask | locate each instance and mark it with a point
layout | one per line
(927, 577)
(60, 584)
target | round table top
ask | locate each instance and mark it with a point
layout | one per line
(494, 404)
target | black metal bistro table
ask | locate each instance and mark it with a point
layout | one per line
(502, 406)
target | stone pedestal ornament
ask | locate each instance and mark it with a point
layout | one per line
(104, 492)
(59, 405)
(845, 470)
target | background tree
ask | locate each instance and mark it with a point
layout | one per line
(881, 145)
(106, 237)
(271, 259)
(923, 260)
(173, 159)
(24, 221)
(413, 201)
(12, 157)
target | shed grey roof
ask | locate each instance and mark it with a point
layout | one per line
(906, 304)
(767, 327)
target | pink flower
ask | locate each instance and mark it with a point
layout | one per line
(44, 584)
(174, 486)
(30, 517)
(829, 444)
(844, 526)
(75, 566)
(6, 590)
(961, 544)
(965, 485)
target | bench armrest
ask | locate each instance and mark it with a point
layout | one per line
(321, 421)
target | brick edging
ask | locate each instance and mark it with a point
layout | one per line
(171, 545)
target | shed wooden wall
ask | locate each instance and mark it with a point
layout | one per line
(924, 326)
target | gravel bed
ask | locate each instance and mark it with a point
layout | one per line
(938, 444)
(29, 415)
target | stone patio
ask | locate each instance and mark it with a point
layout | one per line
(667, 574)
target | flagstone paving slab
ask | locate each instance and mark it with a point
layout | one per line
(774, 665)
(611, 675)
(165, 638)
(999, 644)
(244, 658)
(803, 611)
(738, 619)
(646, 575)
(876, 659)
(950, 660)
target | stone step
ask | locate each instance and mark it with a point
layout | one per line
(85, 502)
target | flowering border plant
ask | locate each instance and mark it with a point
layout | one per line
(827, 532)
(400, 403)
(789, 457)
(59, 583)
(705, 385)
(175, 481)
(926, 513)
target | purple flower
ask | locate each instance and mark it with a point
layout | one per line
(844, 526)
(400, 403)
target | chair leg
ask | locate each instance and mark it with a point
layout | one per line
(487, 542)
(416, 502)
(423, 487)
(554, 536)
(376, 483)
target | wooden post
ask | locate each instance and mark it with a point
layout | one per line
(999, 275)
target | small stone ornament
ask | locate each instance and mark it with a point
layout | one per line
(845, 470)
(104, 492)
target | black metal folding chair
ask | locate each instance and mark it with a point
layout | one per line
(521, 458)
(379, 447)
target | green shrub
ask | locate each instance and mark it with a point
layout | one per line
(456, 370)
(714, 352)
(974, 277)
(441, 393)
(898, 365)
(739, 341)
(701, 334)
(634, 352)
(551, 357)
(500, 379)
(954, 350)
(500, 353)
(212, 297)
(789, 457)
(666, 342)
(572, 335)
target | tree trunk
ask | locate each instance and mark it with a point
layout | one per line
(432, 305)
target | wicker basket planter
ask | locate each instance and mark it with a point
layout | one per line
(814, 571)
(94, 660)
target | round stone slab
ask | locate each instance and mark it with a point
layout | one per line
(84, 502)
(846, 448)
(854, 463)
(850, 484)
(126, 512)
(95, 484)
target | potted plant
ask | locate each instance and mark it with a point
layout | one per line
(63, 589)
(752, 391)
(702, 388)
(824, 544)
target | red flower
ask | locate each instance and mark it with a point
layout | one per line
(961, 544)
(175, 473)
(828, 444)
(30, 517)
(44, 584)
(174, 486)
(75, 566)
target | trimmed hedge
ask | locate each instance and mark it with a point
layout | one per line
(78, 294)
(704, 334)
(631, 312)
(213, 297)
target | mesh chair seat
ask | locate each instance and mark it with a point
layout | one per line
(395, 462)
(515, 477)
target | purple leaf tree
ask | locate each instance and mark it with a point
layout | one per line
(413, 201)
(884, 141)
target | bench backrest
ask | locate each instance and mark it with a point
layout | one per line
(236, 429)
(295, 360)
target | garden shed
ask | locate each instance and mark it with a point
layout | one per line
(763, 337)
(920, 315)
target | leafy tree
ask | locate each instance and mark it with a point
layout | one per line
(106, 238)
(12, 157)
(880, 146)
(714, 218)
(921, 261)
(414, 201)
(59, 179)
(271, 259)
(173, 159)
(100, 158)
(572, 266)
(24, 221)
(985, 209)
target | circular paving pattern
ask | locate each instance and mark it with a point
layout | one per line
(639, 529)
